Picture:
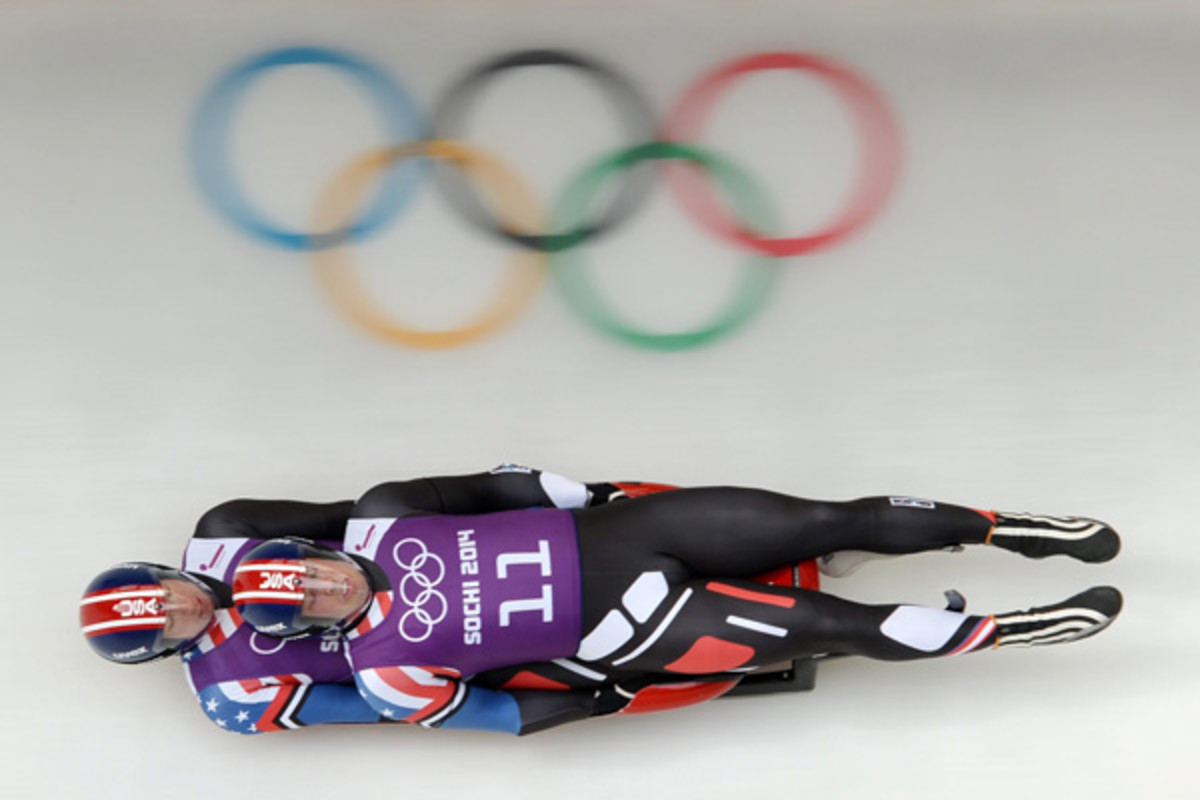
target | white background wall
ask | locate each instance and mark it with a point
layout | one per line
(1017, 330)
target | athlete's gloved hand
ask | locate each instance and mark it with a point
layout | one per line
(645, 693)
(601, 493)
(541, 710)
(611, 699)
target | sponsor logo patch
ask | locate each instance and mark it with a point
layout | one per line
(139, 651)
(511, 468)
(912, 502)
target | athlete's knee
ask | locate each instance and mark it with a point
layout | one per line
(842, 516)
(398, 498)
(744, 505)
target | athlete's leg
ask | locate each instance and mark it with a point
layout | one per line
(711, 626)
(743, 532)
(663, 540)
(738, 533)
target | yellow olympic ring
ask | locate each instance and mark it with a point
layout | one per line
(336, 269)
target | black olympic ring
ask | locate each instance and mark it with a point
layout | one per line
(878, 139)
(632, 107)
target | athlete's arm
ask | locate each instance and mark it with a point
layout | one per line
(243, 707)
(269, 519)
(508, 487)
(504, 488)
(435, 698)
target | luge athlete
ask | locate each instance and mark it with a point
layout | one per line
(440, 585)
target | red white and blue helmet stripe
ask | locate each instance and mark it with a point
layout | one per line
(122, 613)
(275, 581)
(268, 587)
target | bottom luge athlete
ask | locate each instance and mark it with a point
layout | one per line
(518, 600)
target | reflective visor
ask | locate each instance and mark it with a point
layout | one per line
(281, 595)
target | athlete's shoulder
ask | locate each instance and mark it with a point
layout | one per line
(215, 557)
(225, 520)
(227, 626)
(422, 695)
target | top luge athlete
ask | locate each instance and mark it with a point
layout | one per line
(447, 589)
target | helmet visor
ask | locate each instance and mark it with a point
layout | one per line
(152, 612)
(309, 591)
(188, 607)
(330, 594)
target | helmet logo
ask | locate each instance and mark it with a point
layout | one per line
(135, 653)
(125, 608)
(278, 580)
(139, 607)
(275, 581)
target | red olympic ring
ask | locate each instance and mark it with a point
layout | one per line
(879, 134)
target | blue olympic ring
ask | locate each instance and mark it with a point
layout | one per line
(210, 151)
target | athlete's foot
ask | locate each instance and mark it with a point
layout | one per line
(1078, 617)
(1039, 536)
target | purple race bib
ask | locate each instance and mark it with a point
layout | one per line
(470, 592)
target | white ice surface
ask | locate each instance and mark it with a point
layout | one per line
(1017, 330)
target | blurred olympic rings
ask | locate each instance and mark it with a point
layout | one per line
(509, 210)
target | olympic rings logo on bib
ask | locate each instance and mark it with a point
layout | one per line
(401, 166)
(270, 647)
(426, 605)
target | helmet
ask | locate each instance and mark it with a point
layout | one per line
(123, 613)
(276, 588)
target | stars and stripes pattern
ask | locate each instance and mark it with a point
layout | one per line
(422, 695)
(257, 706)
(381, 606)
(225, 623)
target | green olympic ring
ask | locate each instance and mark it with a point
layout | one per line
(581, 293)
